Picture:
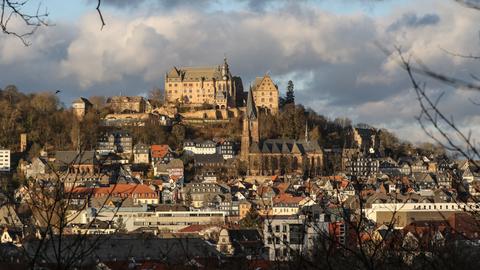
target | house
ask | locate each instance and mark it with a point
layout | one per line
(226, 149)
(423, 181)
(4, 160)
(208, 160)
(362, 166)
(77, 162)
(119, 142)
(161, 153)
(207, 147)
(141, 153)
(283, 236)
(37, 167)
(240, 242)
(124, 104)
(172, 169)
(205, 194)
(139, 193)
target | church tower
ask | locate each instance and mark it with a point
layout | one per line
(250, 132)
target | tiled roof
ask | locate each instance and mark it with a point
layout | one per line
(75, 157)
(287, 198)
(116, 189)
(159, 151)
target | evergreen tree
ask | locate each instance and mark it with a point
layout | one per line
(290, 98)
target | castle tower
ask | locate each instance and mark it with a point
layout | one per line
(250, 132)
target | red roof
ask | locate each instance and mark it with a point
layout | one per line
(287, 198)
(139, 190)
(159, 151)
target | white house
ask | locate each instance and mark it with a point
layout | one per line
(4, 160)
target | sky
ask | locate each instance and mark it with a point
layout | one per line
(329, 48)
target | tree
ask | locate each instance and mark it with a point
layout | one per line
(290, 96)
(156, 97)
(178, 132)
(251, 220)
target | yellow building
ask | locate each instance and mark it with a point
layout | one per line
(265, 94)
(203, 85)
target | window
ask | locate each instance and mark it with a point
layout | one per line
(277, 228)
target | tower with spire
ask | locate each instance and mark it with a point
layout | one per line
(250, 132)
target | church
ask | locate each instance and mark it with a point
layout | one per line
(277, 156)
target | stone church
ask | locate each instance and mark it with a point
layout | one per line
(277, 156)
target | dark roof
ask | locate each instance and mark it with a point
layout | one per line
(208, 159)
(285, 146)
(251, 108)
(122, 247)
(244, 235)
(75, 157)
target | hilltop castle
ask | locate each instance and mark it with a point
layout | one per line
(204, 85)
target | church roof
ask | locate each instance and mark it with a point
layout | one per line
(251, 108)
(286, 146)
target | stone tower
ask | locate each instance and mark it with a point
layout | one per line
(250, 132)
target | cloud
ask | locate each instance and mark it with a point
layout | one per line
(411, 20)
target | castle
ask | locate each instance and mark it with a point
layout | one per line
(204, 85)
(277, 156)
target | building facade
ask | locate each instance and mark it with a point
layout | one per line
(265, 94)
(4, 160)
(81, 106)
(141, 153)
(124, 104)
(203, 85)
(118, 142)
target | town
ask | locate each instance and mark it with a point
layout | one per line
(213, 172)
